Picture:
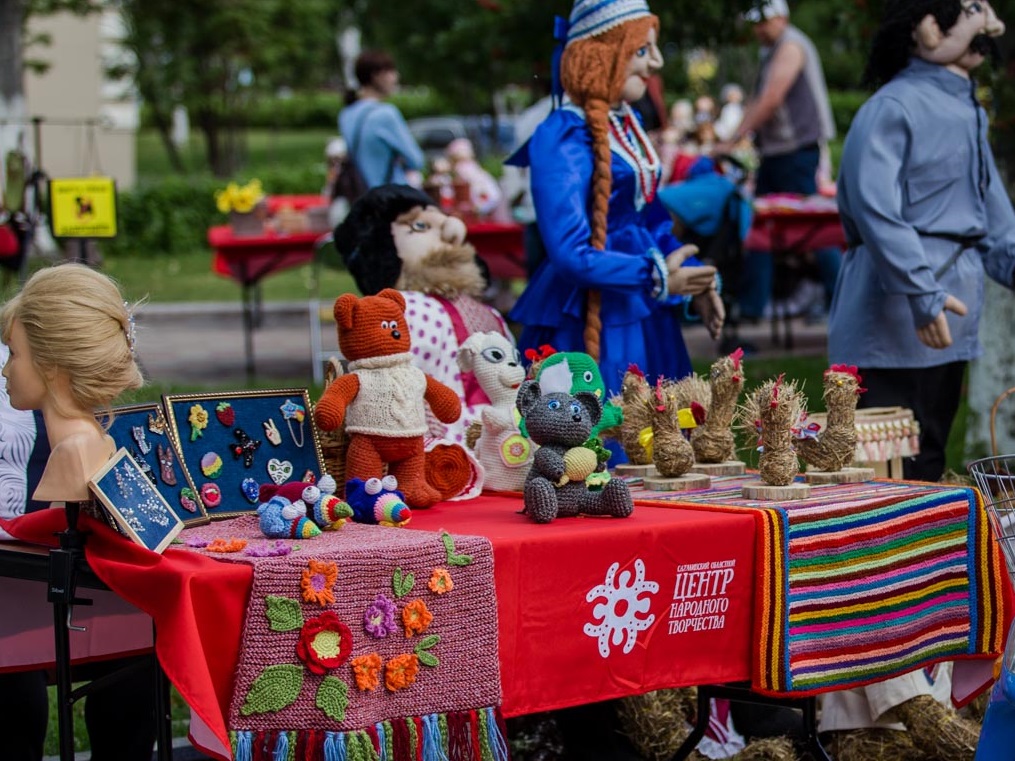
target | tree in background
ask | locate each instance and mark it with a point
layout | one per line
(214, 58)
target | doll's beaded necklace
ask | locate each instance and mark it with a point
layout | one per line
(636, 149)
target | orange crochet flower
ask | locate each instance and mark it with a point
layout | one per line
(416, 618)
(401, 671)
(367, 671)
(440, 581)
(226, 545)
(318, 582)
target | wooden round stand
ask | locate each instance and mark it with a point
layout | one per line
(717, 469)
(680, 483)
(844, 476)
(776, 493)
(635, 471)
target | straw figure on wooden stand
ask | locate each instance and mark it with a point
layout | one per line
(834, 447)
(775, 407)
(635, 400)
(713, 441)
(671, 449)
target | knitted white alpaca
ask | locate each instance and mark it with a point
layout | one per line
(504, 452)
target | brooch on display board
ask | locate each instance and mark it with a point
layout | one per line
(141, 429)
(239, 416)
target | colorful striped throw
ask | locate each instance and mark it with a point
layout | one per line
(367, 642)
(861, 582)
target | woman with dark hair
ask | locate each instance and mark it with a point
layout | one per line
(377, 137)
(612, 284)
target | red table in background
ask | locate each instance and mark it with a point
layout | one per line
(789, 226)
(501, 245)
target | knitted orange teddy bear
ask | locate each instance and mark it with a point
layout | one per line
(381, 398)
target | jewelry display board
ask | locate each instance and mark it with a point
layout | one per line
(233, 442)
(136, 505)
(142, 429)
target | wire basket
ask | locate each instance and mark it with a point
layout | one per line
(995, 478)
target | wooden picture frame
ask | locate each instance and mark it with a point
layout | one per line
(236, 440)
(136, 505)
(144, 431)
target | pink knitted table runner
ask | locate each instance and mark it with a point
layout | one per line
(368, 642)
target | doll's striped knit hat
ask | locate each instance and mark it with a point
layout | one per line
(593, 17)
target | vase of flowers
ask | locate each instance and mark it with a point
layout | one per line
(246, 206)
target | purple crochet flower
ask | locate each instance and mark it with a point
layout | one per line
(197, 544)
(379, 620)
(269, 549)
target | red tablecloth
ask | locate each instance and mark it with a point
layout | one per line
(249, 258)
(543, 576)
(794, 227)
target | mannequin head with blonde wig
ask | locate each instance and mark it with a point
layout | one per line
(75, 336)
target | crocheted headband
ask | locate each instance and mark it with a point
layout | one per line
(593, 17)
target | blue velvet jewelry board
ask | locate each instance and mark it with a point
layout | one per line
(142, 429)
(233, 442)
(137, 506)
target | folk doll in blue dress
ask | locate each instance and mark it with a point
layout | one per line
(615, 280)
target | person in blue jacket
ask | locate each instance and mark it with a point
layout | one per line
(375, 132)
(615, 280)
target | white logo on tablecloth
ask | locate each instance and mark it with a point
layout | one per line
(619, 618)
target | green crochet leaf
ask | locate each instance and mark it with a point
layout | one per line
(427, 642)
(423, 650)
(428, 659)
(402, 583)
(276, 687)
(449, 547)
(333, 698)
(283, 613)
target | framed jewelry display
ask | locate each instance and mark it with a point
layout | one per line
(137, 507)
(231, 443)
(142, 429)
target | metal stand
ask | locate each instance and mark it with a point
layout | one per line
(744, 695)
(62, 588)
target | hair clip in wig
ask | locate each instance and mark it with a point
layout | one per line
(130, 331)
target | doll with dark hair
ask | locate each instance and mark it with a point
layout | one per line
(395, 237)
(927, 217)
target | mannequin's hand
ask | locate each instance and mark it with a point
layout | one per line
(936, 334)
(713, 314)
(688, 281)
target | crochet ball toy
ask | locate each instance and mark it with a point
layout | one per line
(284, 509)
(561, 423)
(382, 399)
(377, 500)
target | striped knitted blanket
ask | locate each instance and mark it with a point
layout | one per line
(367, 642)
(861, 582)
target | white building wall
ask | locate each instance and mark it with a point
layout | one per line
(89, 122)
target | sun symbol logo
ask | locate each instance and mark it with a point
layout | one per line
(621, 615)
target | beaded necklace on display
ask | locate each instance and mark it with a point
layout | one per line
(639, 152)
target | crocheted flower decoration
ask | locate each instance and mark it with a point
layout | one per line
(379, 619)
(318, 582)
(198, 419)
(366, 670)
(416, 617)
(325, 643)
(400, 671)
(440, 581)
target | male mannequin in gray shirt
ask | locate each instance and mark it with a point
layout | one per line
(926, 215)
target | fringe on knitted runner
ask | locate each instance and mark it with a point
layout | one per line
(477, 735)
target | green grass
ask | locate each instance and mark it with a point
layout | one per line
(264, 150)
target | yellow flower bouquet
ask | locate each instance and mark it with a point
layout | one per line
(241, 199)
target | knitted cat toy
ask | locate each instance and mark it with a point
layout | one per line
(504, 453)
(585, 376)
(377, 500)
(300, 510)
(561, 423)
(381, 399)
